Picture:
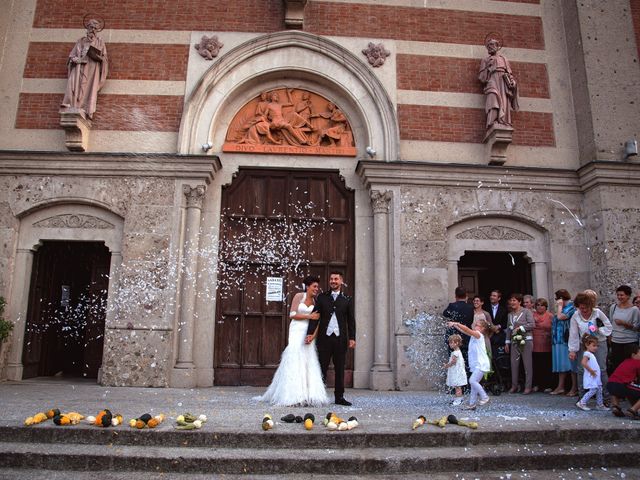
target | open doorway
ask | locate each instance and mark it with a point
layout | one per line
(482, 272)
(66, 316)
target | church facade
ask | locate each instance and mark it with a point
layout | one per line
(237, 146)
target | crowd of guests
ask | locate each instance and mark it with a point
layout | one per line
(571, 348)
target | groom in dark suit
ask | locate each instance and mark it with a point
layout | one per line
(336, 331)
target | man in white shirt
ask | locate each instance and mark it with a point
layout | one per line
(335, 332)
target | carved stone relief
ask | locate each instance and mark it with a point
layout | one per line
(489, 232)
(290, 121)
(209, 47)
(376, 54)
(73, 221)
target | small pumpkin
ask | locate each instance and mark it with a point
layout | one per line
(61, 420)
(53, 413)
(103, 419)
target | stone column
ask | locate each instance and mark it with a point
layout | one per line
(17, 312)
(183, 375)
(381, 373)
(111, 314)
(541, 281)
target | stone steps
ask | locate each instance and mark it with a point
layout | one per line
(600, 473)
(87, 449)
(336, 461)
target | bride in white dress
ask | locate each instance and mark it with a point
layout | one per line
(298, 379)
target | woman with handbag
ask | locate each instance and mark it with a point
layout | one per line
(592, 321)
(559, 343)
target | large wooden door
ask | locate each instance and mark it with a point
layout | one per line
(275, 223)
(65, 321)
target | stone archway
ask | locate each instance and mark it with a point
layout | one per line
(59, 221)
(296, 61)
(292, 59)
(498, 233)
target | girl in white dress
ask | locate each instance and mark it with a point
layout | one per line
(456, 374)
(591, 380)
(298, 379)
(479, 363)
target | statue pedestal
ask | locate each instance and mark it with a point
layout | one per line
(497, 139)
(76, 127)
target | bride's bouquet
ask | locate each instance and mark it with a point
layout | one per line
(518, 337)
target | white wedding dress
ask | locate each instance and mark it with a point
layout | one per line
(298, 379)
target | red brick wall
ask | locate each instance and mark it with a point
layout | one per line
(635, 16)
(448, 74)
(127, 61)
(448, 124)
(160, 113)
(204, 15)
(421, 24)
(38, 110)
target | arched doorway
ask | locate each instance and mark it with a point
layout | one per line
(282, 224)
(57, 235)
(64, 333)
(489, 251)
(482, 272)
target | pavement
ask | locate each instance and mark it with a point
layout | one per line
(234, 409)
(536, 419)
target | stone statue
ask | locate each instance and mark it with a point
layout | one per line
(500, 86)
(209, 47)
(88, 68)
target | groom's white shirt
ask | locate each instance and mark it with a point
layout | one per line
(333, 322)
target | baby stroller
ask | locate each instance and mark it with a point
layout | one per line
(496, 383)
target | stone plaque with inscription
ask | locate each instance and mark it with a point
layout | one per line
(290, 121)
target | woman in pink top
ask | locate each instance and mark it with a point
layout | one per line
(542, 377)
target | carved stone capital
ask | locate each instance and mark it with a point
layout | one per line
(294, 13)
(498, 139)
(76, 127)
(194, 195)
(380, 200)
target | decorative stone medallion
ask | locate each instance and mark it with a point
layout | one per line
(209, 47)
(376, 54)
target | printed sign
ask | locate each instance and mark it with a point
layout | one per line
(274, 289)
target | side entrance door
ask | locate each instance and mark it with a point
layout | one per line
(283, 224)
(66, 316)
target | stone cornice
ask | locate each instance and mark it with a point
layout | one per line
(604, 173)
(467, 176)
(200, 168)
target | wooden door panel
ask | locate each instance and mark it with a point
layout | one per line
(337, 204)
(317, 197)
(317, 243)
(276, 200)
(274, 223)
(251, 336)
(337, 249)
(272, 344)
(228, 344)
